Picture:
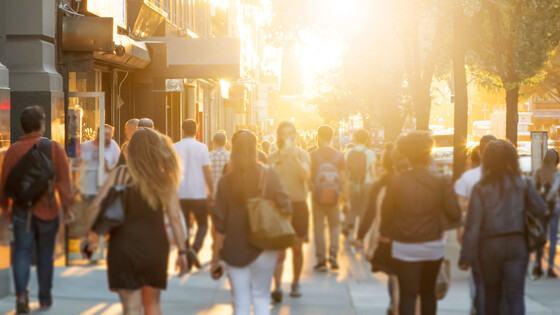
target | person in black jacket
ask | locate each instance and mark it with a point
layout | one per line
(495, 230)
(418, 203)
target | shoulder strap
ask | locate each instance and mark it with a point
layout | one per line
(263, 181)
(45, 145)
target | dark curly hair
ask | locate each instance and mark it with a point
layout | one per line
(499, 161)
(416, 146)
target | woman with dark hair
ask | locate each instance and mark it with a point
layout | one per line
(495, 230)
(547, 180)
(137, 261)
(418, 204)
(250, 268)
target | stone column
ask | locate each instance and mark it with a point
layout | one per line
(30, 57)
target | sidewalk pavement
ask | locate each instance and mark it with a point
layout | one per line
(351, 290)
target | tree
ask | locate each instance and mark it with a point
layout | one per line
(515, 40)
(424, 28)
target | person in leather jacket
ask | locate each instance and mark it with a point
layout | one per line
(495, 228)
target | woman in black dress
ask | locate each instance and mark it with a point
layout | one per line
(139, 249)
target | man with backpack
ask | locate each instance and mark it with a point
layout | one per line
(360, 170)
(328, 182)
(33, 171)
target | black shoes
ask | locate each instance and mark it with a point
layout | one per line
(551, 274)
(22, 305)
(321, 266)
(276, 296)
(333, 263)
(537, 272)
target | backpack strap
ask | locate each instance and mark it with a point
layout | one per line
(45, 145)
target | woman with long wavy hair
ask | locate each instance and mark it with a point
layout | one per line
(495, 228)
(138, 253)
(250, 268)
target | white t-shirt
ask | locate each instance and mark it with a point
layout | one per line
(90, 164)
(194, 155)
(427, 251)
(465, 184)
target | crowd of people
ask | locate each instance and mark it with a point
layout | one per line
(154, 183)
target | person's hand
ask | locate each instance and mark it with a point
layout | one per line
(358, 244)
(383, 239)
(182, 264)
(459, 235)
(69, 216)
(210, 202)
(464, 267)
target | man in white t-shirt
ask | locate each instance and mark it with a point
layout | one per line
(90, 161)
(195, 189)
(463, 189)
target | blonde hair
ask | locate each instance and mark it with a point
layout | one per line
(154, 166)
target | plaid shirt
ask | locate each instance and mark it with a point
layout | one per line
(42, 209)
(218, 160)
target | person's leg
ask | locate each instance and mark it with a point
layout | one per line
(279, 270)
(333, 215)
(297, 259)
(261, 277)
(185, 208)
(553, 237)
(352, 213)
(46, 240)
(478, 288)
(409, 276)
(24, 239)
(430, 271)
(200, 210)
(240, 282)
(131, 301)
(151, 301)
(514, 275)
(319, 231)
(491, 262)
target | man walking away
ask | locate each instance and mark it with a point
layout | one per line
(360, 170)
(196, 189)
(218, 158)
(328, 180)
(146, 123)
(129, 129)
(292, 165)
(35, 222)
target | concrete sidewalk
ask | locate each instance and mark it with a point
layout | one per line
(351, 290)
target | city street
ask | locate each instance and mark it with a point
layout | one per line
(351, 290)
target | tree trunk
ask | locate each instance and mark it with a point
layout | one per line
(512, 99)
(422, 105)
(461, 95)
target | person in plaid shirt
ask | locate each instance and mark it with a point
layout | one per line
(41, 231)
(219, 158)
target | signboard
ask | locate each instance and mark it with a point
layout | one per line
(539, 145)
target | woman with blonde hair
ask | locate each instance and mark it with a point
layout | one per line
(139, 249)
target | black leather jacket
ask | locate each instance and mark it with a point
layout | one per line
(418, 205)
(496, 209)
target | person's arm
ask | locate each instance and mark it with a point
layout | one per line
(95, 207)
(388, 209)
(473, 225)
(63, 182)
(219, 216)
(537, 205)
(452, 209)
(4, 201)
(208, 179)
(173, 212)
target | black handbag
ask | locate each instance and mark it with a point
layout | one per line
(382, 259)
(111, 215)
(535, 232)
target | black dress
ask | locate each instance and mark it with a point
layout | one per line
(139, 249)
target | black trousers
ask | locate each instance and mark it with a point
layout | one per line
(198, 207)
(417, 278)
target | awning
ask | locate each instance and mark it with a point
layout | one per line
(135, 55)
(182, 57)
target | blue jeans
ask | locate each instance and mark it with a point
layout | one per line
(503, 263)
(41, 236)
(553, 239)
